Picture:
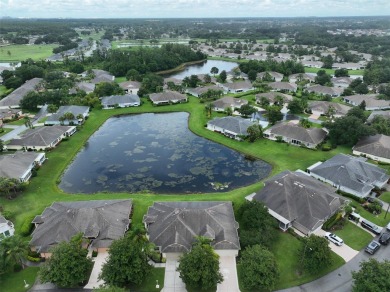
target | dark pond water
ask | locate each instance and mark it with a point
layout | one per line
(158, 153)
(204, 68)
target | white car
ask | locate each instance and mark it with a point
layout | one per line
(388, 227)
(334, 238)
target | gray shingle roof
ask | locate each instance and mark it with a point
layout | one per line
(236, 125)
(371, 100)
(120, 99)
(378, 145)
(238, 85)
(173, 225)
(200, 90)
(351, 172)
(278, 85)
(297, 132)
(300, 199)
(275, 75)
(325, 90)
(229, 101)
(271, 96)
(14, 98)
(16, 164)
(167, 96)
(324, 106)
(385, 114)
(74, 109)
(102, 221)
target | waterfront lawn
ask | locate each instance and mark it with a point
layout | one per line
(14, 282)
(354, 236)
(23, 52)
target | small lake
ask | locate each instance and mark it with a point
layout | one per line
(157, 153)
(204, 68)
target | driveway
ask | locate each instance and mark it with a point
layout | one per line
(97, 267)
(172, 280)
(228, 269)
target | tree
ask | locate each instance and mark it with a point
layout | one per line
(27, 122)
(229, 111)
(223, 76)
(322, 77)
(199, 268)
(255, 132)
(133, 75)
(341, 73)
(274, 115)
(107, 89)
(207, 78)
(246, 110)
(214, 70)
(373, 276)
(328, 62)
(13, 250)
(259, 269)
(52, 108)
(252, 75)
(295, 107)
(127, 261)
(68, 265)
(315, 254)
(305, 123)
(10, 186)
(31, 101)
(208, 108)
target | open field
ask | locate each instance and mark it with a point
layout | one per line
(15, 53)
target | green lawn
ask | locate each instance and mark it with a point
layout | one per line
(14, 282)
(5, 131)
(4, 91)
(331, 71)
(149, 285)
(385, 197)
(17, 122)
(23, 52)
(377, 219)
(354, 236)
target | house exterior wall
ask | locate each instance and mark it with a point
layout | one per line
(128, 104)
(270, 136)
(223, 131)
(6, 230)
(373, 157)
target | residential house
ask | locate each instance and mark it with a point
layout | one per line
(126, 100)
(7, 228)
(80, 113)
(167, 97)
(100, 222)
(293, 78)
(385, 114)
(350, 174)
(349, 66)
(322, 108)
(283, 86)
(274, 75)
(343, 82)
(20, 165)
(236, 87)
(272, 97)
(198, 91)
(175, 81)
(325, 90)
(371, 101)
(376, 147)
(82, 86)
(297, 200)
(295, 134)
(13, 99)
(220, 105)
(174, 226)
(8, 114)
(41, 138)
(130, 86)
(312, 64)
(232, 127)
(98, 76)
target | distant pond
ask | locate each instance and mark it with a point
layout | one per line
(157, 153)
(204, 68)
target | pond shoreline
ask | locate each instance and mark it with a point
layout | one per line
(181, 67)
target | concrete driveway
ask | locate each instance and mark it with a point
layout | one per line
(228, 268)
(94, 282)
(172, 280)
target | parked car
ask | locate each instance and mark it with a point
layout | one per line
(334, 238)
(385, 238)
(372, 247)
(371, 226)
(354, 217)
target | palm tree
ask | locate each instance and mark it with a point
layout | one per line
(27, 122)
(80, 117)
(208, 109)
(15, 250)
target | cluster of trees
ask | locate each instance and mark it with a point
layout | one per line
(357, 86)
(10, 187)
(286, 68)
(13, 252)
(377, 71)
(372, 276)
(27, 71)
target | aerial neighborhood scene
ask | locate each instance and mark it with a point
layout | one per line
(195, 146)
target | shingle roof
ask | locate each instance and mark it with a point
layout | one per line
(385, 114)
(324, 106)
(297, 132)
(278, 85)
(74, 109)
(119, 99)
(14, 98)
(203, 89)
(238, 85)
(16, 164)
(378, 145)
(102, 221)
(351, 172)
(167, 96)
(299, 198)
(371, 100)
(272, 73)
(325, 90)
(236, 125)
(229, 101)
(173, 225)
(130, 84)
(271, 96)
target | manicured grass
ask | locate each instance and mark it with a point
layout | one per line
(385, 197)
(149, 285)
(331, 71)
(120, 79)
(354, 236)
(14, 282)
(23, 52)
(17, 122)
(5, 131)
(4, 91)
(377, 219)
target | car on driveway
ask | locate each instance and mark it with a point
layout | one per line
(372, 247)
(334, 238)
(384, 238)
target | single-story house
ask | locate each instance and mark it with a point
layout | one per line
(293, 78)
(7, 228)
(295, 134)
(283, 86)
(126, 100)
(175, 81)
(324, 107)
(376, 147)
(341, 81)
(41, 138)
(167, 97)
(385, 114)
(19, 165)
(350, 174)
(239, 86)
(371, 100)
(13, 99)
(297, 200)
(223, 103)
(7, 114)
(275, 75)
(84, 86)
(312, 64)
(80, 113)
(99, 76)
(101, 222)
(232, 127)
(349, 66)
(272, 97)
(198, 91)
(130, 86)
(325, 90)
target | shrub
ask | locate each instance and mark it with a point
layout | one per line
(332, 221)
(33, 259)
(94, 253)
(326, 148)
(27, 226)
(353, 197)
(17, 268)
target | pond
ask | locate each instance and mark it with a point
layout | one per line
(203, 68)
(157, 153)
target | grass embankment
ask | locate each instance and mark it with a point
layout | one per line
(23, 52)
(14, 282)
(354, 236)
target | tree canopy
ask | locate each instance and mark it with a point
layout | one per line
(373, 276)
(315, 254)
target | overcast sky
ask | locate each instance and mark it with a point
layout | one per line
(191, 8)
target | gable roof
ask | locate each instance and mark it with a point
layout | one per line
(203, 89)
(15, 165)
(173, 225)
(236, 125)
(297, 132)
(238, 85)
(275, 75)
(102, 221)
(130, 85)
(304, 76)
(120, 99)
(85, 86)
(377, 145)
(300, 199)
(167, 96)
(14, 98)
(351, 172)
(229, 101)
